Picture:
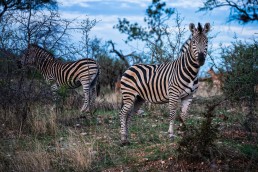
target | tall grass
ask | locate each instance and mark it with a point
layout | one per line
(32, 160)
(75, 153)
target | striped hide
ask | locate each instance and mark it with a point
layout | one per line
(170, 82)
(83, 72)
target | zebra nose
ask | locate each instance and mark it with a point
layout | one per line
(201, 58)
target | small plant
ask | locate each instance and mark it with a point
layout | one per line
(199, 141)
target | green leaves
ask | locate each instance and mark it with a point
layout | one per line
(242, 68)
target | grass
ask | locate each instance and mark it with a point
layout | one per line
(66, 142)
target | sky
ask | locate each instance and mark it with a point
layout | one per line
(107, 12)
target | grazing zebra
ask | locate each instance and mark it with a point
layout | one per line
(164, 83)
(83, 72)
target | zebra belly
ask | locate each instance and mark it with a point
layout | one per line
(76, 84)
(157, 97)
(73, 85)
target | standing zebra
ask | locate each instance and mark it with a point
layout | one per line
(83, 72)
(164, 83)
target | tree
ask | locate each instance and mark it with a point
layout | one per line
(126, 59)
(157, 14)
(157, 33)
(243, 11)
(86, 26)
(19, 28)
(240, 78)
(14, 5)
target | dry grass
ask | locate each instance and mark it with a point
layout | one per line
(75, 153)
(207, 89)
(109, 101)
(37, 160)
(43, 120)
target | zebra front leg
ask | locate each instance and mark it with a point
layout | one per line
(171, 124)
(172, 115)
(54, 89)
(185, 103)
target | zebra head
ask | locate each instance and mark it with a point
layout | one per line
(199, 42)
(29, 57)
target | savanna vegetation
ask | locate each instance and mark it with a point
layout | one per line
(38, 133)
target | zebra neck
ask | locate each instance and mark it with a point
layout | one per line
(45, 66)
(186, 60)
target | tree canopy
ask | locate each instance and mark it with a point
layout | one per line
(13, 5)
(243, 11)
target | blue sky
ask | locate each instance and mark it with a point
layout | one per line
(107, 13)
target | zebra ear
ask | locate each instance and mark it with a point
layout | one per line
(207, 28)
(192, 27)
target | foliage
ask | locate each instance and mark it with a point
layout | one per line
(157, 14)
(240, 10)
(44, 27)
(162, 41)
(241, 65)
(199, 141)
(14, 5)
(111, 70)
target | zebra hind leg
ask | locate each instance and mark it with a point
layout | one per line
(93, 93)
(86, 90)
(127, 111)
(124, 117)
(137, 105)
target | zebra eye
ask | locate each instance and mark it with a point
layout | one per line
(193, 41)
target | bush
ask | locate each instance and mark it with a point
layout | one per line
(199, 141)
(241, 64)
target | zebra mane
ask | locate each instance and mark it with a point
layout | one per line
(185, 45)
(199, 28)
(42, 49)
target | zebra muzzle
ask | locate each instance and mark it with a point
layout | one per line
(201, 59)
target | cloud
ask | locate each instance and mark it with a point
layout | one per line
(104, 28)
(242, 31)
(85, 3)
(107, 14)
(68, 3)
(185, 3)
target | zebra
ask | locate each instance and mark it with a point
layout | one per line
(165, 83)
(83, 72)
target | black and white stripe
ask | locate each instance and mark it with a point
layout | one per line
(83, 72)
(165, 83)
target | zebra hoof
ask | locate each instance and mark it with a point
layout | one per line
(85, 110)
(172, 137)
(181, 133)
(125, 143)
(82, 117)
